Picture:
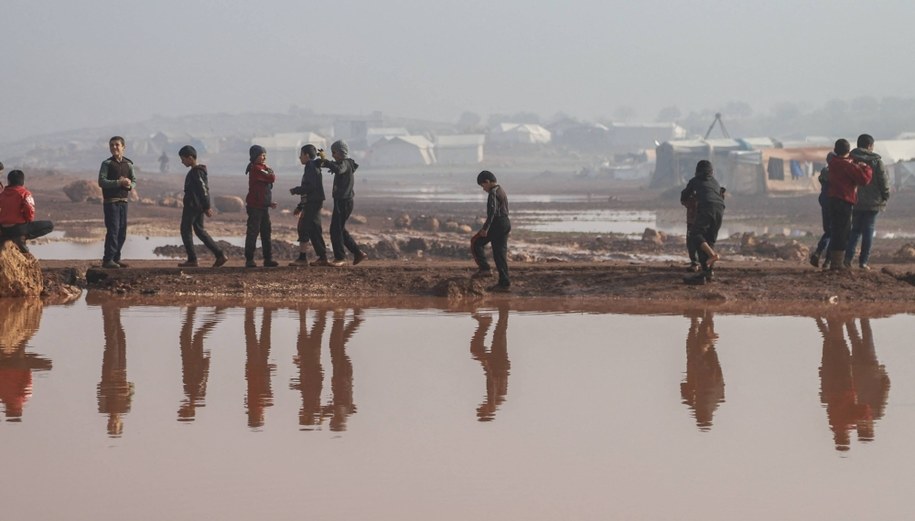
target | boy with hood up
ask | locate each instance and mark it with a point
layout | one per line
(258, 204)
(872, 199)
(709, 214)
(344, 170)
(846, 174)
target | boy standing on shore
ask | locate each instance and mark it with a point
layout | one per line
(344, 170)
(116, 179)
(495, 230)
(196, 206)
(311, 192)
(258, 204)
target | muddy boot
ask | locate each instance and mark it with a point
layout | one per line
(20, 243)
(837, 260)
(697, 279)
(815, 259)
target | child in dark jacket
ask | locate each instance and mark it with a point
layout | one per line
(823, 199)
(196, 206)
(311, 192)
(258, 204)
(709, 214)
(495, 230)
(344, 170)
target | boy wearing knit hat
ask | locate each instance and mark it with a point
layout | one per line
(709, 214)
(258, 203)
(344, 170)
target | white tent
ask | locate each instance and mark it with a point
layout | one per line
(401, 151)
(459, 149)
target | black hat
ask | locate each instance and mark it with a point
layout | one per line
(255, 151)
(704, 167)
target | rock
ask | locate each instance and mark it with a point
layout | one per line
(465, 229)
(906, 253)
(83, 190)
(653, 236)
(403, 221)
(170, 202)
(229, 203)
(415, 244)
(20, 274)
(792, 251)
(358, 219)
(146, 201)
(426, 223)
(385, 249)
(325, 212)
(452, 226)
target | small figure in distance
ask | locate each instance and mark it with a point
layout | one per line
(495, 230)
(196, 206)
(17, 213)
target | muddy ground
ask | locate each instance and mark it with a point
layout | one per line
(421, 260)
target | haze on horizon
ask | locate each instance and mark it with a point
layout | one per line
(93, 63)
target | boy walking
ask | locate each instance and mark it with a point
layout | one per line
(196, 206)
(344, 170)
(709, 214)
(311, 192)
(846, 174)
(116, 179)
(17, 213)
(872, 199)
(495, 230)
(258, 204)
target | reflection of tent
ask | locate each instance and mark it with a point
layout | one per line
(402, 151)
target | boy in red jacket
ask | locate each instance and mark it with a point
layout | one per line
(17, 213)
(258, 204)
(846, 174)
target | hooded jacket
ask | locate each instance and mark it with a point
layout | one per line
(706, 190)
(16, 206)
(845, 176)
(312, 188)
(344, 177)
(197, 189)
(260, 186)
(874, 195)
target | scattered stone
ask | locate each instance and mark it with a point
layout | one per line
(80, 191)
(358, 219)
(403, 221)
(653, 237)
(452, 226)
(170, 202)
(906, 253)
(426, 223)
(464, 228)
(229, 203)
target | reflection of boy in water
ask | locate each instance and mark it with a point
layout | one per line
(853, 386)
(258, 367)
(703, 388)
(19, 320)
(311, 374)
(114, 391)
(195, 361)
(341, 382)
(495, 363)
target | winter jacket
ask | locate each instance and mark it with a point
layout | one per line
(845, 176)
(108, 176)
(706, 190)
(260, 186)
(496, 206)
(16, 206)
(344, 177)
(312, 188)
(197, 189)
(874, 195)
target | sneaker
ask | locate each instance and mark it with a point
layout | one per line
(693, 267)
(815, 260)
(111, 265)
(337, 263)
(320, 262)
(709, 275)
(250, 264)
(122, 264)
(220, 260)
(865, 267)
(301, 261)
(188, 264)
(360, 257)
(271, 264)
(20, 243)
(481, 274)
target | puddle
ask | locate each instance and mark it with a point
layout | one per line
(436, 413)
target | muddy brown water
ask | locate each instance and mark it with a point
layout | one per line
(117, 410)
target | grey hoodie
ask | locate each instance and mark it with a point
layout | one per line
(874, 195)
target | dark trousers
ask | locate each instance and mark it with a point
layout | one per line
(827, 226)
(498, 236)
(115, 230)
(840, 222)
(309, 228)
(705, 229)
(192, 219)
(339, 237)
(258, 224)
(863, 226)
(32, 230)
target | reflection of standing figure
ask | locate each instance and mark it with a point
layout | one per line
(195, 362)
(495, 363)
(703, 388)
(258, 367)
(311, 374)
(841, 374)
(114, 391)
(19, 320)
(342, 380)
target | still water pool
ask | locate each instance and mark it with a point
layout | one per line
(115, 411)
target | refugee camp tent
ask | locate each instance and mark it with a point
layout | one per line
(459, 149)
(283, 148)
(897, 154)
(375, 134)
(676, 160)
(401, 151)
(518, 134)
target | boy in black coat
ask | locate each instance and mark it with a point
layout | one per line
(196, 206)
(709, 214)
(495, 230)
(311, 192)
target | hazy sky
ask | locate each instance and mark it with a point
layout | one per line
(69, 64)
